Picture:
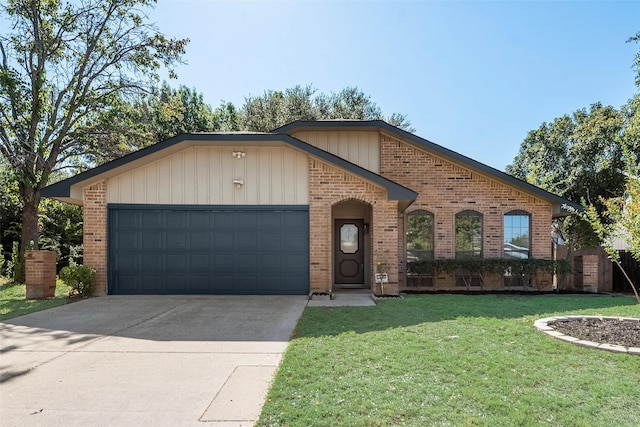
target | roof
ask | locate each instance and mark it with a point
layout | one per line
(381, 125)
(62, 190)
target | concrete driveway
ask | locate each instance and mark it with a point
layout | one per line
(144, 360)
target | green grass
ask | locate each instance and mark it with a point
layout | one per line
(452, 360)
(13, 302)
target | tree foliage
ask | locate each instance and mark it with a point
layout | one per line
(60, 64)
(277, 108)
(575, 156)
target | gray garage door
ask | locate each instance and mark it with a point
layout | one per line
(208, 250)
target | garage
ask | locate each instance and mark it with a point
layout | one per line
(196, 249)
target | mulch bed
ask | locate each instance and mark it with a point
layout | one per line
(610, 331)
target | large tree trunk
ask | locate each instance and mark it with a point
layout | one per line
(30, 232)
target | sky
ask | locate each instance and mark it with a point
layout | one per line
(472, 76)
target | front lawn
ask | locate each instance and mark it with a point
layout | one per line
(13, 302)
(452, 360)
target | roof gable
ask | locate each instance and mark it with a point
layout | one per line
(62, 189)
(439, 150)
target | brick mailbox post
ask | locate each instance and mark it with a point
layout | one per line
(40, 274)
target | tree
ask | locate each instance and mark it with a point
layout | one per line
(61, 64)
(170, 112)
(277, 108)
(577, 156)
(621, 217)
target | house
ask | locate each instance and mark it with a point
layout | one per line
(309, 207)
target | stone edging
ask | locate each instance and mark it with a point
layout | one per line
(543, 326)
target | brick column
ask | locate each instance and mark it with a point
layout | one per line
(385, 242)
(40, 274)
(95, 233)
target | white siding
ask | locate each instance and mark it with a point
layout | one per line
(205, 175)
(361, 148)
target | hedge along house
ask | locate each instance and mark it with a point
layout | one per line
(308, 207)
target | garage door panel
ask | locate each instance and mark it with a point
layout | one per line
(208, 250)
(176, 240)
(151, 240)
(151, 219)
(222, 284)
(271, 284)
(128, 284)
(222, 262)
(199, 240)
(176, 219)
(175, 284)
(199, 220)
(244, 242)
(129, 219)
(152, 284)
(199, 284)
(176, 262)
(248, 262)
(293, 262)
(245, 284)
(199, 262)
(223, 241)
(127, 241)
(127, 262)
(270, 262)
(270, 221)
(151, 261)
(246, 220)
(222, 220)
(270, 241)
(292, 282)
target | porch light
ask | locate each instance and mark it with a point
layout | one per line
(239, 154)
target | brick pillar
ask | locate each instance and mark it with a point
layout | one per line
(385, 242)
(590, 273)
(95, 233)
(40, 274)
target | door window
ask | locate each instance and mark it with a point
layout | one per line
(349, 238)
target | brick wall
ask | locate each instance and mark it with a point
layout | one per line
(95, 233)
(446, 188)
(329, 185)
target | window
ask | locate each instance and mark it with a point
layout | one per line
(516, 234)
(419, 236)
(468, 234)
(419, 245)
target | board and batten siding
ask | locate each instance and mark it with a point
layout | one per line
(361, 148)
(202, 175)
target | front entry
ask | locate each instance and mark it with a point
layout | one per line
(349, 252)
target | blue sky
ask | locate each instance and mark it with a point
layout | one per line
(472, 76)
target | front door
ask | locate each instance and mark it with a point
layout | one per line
(349, 252)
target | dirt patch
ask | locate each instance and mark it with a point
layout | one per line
(610, 331)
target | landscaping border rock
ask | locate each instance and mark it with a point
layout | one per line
(543, 325)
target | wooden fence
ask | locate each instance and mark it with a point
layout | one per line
(632, 267)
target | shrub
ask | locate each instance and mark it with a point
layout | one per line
(81, 279)
(526, 269)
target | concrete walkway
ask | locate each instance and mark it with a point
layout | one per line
(144, 360)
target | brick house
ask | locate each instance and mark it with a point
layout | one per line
(309, 207)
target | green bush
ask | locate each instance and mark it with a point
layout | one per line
(527, 269)
(81, 279)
